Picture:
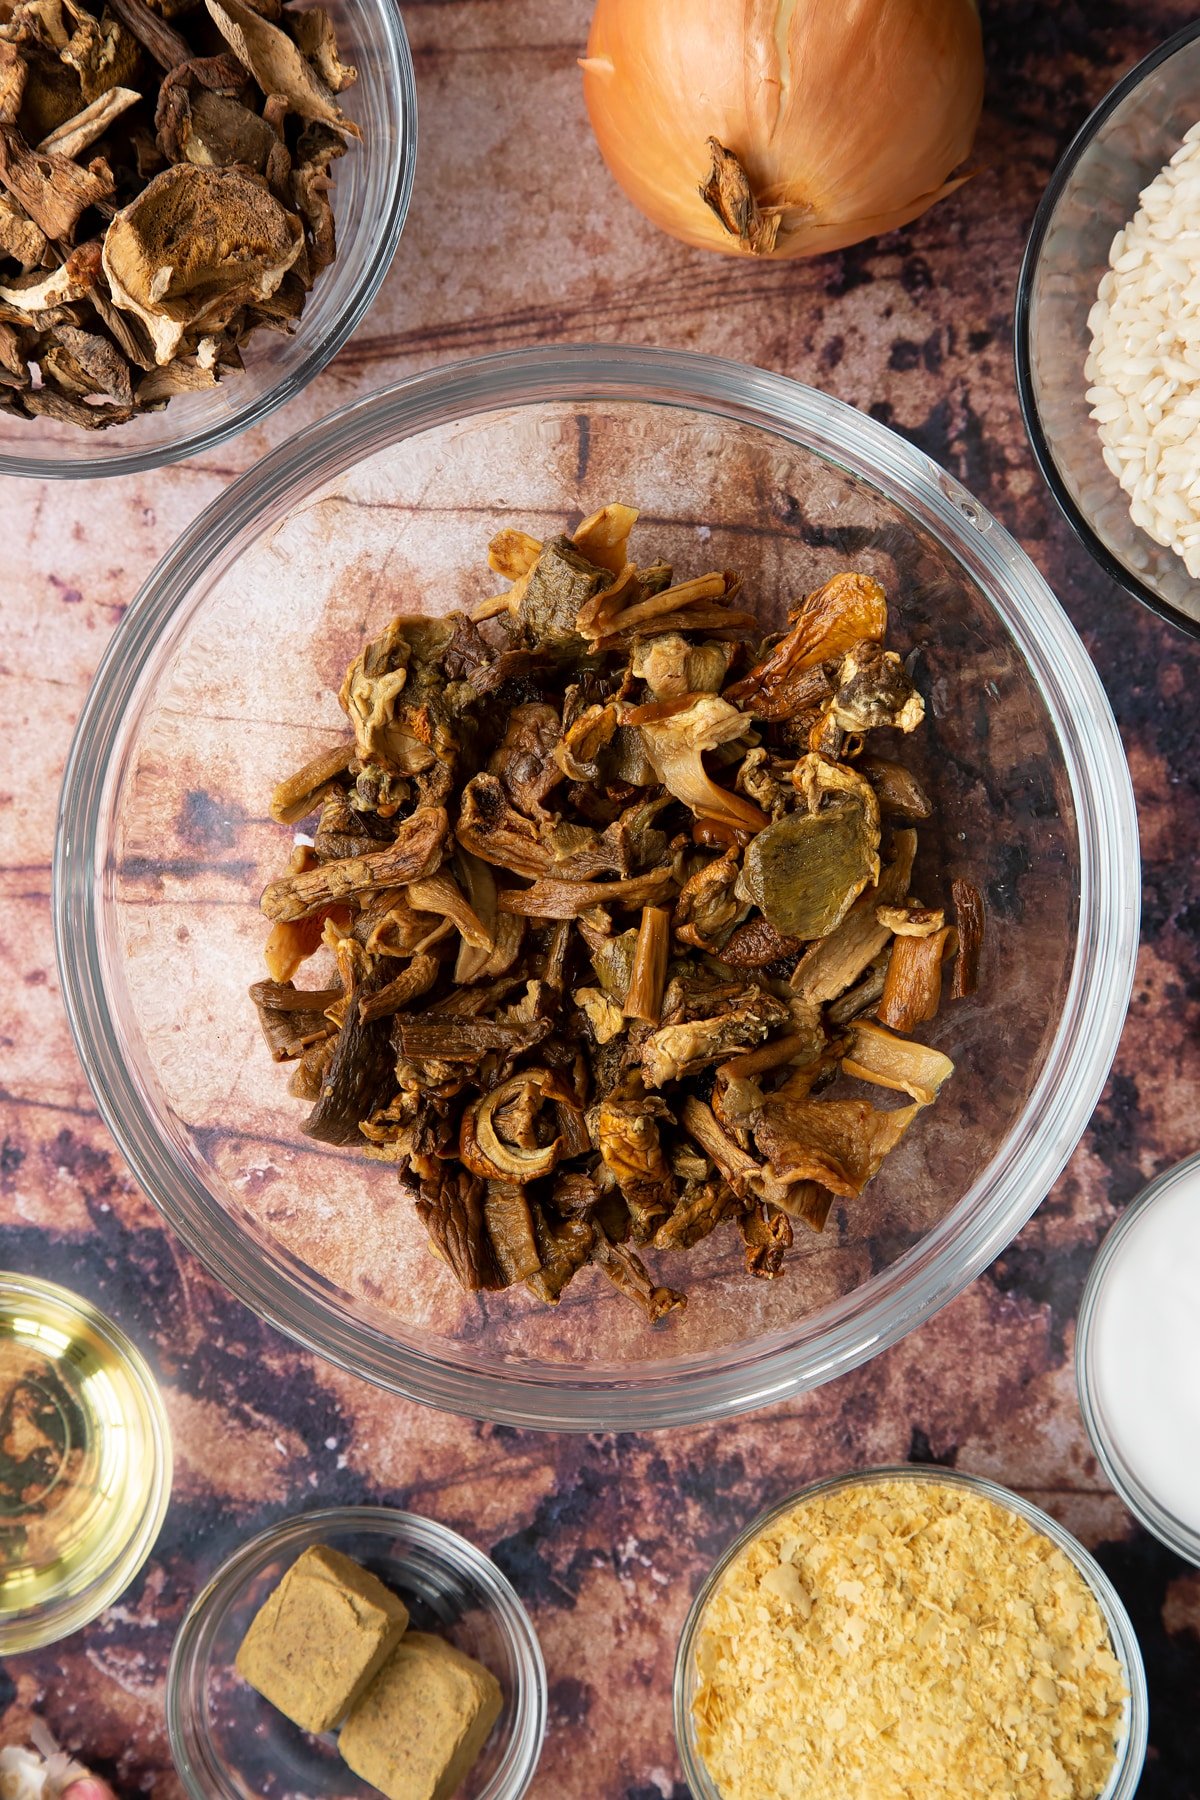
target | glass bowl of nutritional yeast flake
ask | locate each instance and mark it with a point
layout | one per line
(1134, 1726)
(231, 1744)
(85, 1462)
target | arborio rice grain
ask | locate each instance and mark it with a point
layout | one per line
(902, 1638)
(1143, 368)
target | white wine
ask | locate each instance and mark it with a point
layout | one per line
(85, 1462)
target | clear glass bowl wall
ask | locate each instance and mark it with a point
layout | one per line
(224, 675)
(372, 185)
(1093, 193)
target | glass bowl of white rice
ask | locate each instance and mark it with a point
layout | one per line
(1108, 332)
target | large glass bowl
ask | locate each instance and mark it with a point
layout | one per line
(1094, 192)
(372, 185)
(223, 676)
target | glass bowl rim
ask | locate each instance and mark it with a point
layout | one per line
(1076, 1065)
(58, 1617)
(1127, 1769)
(401, 78)
(1022, 333)
(192, 1644)
(1183, 1539)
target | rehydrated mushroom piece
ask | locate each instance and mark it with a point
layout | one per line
(709, 908)
(767, 1233)
(416, 850)
(585, 736)
(757, 944)
(359, 1068)
(293, 1019)
(627, 1136)
(604, 535)
(675, 744)
(571, 899)
(398, 699)
(805, 870)
(413, 981)
(508, 1221)
(874, 689)
(897, 789)
(194, 246)
(302, 792)
(525, 761)
(912, 989)
(833, 964)
(520, 1130)
(648, 978)
(838, 1143)
(671, 667)
(643, 600)
(912, 919)
(878, 1056)
(565, 1246)
(702, 1206)
(607, 927)
(552, 593)
(440, 893)
(767, 781)
(451, 1208)
(629, 1274)
(830, 622)
(745, 1019)
(495, 832)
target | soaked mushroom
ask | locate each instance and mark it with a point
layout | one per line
(614, 933)
(805, 870)
(675, 744)
(505, 1135)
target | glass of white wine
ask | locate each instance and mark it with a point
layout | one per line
(85, 1462)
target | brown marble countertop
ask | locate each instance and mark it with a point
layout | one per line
(606, 1537)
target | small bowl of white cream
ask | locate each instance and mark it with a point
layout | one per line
(1137, 1357)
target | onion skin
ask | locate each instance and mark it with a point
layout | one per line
(849, 117)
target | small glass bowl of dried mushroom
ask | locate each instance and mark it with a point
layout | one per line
(229, 1742)
(909, 1630)
(588, 1096)
(198, 202)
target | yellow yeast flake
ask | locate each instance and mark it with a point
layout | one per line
(903, 1637)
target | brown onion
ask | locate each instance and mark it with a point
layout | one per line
(784, 127)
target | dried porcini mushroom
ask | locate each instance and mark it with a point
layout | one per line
(618, 930)
(173, 199)
(194, 246)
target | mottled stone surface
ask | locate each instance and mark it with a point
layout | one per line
(515, 236)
